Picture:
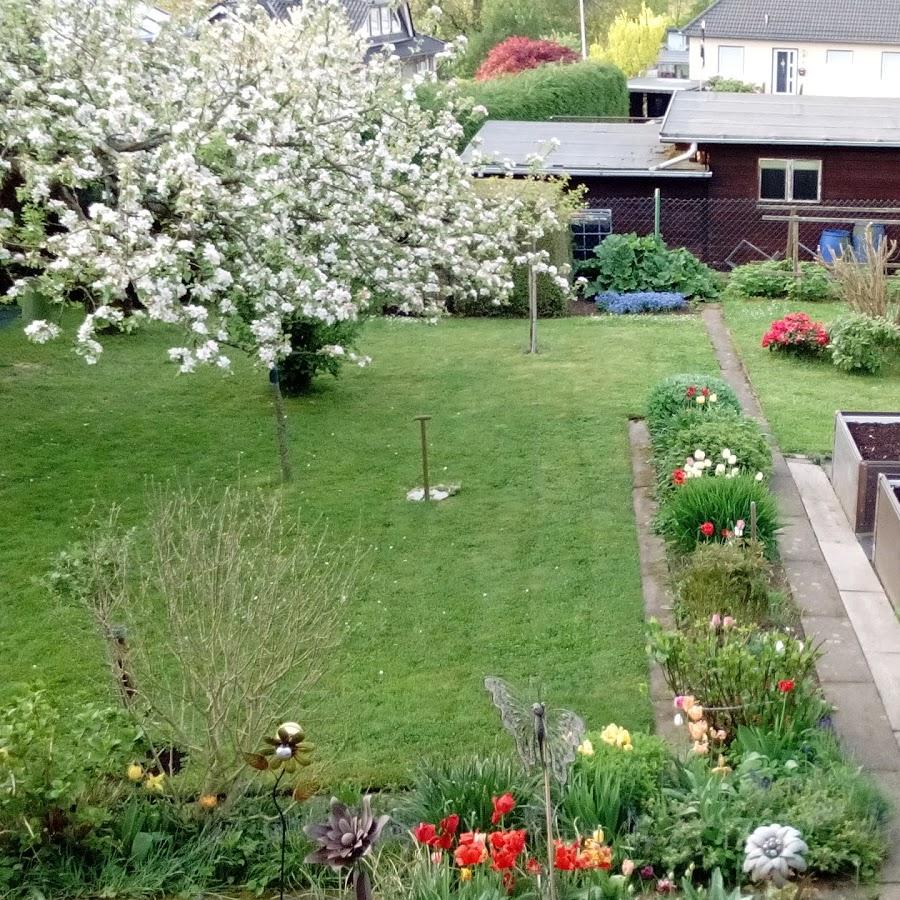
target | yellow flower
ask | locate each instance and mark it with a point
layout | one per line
(586, 748)
(154, 783)
(701, 747)
(616, 736)
(134, 772)
(701, 399)
(465, 874)
(722, 768)
(695, 713)
(698, 730)
(597, 836)
(208, 801)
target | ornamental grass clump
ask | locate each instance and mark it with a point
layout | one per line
(705, 394)
(711, 510)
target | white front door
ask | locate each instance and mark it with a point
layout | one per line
(784, 71)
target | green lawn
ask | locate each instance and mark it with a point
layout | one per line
(531, 572)
(800, 397)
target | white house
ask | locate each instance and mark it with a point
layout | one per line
(836, 48)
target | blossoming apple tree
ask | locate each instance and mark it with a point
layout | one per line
(231, 175)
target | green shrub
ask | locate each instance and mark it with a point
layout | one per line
(862, 344)
(742, 676)
(62, 773)
(731, 86)
(676, 394)
(308, 336)
(729, 579)
(712, 433)
(721, 503)
(626, 263)
(581, 89)
(703, 819)
(465, 786)
(611, 787)
(774, 279)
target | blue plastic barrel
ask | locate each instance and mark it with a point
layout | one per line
(859, 238)
(834, 242)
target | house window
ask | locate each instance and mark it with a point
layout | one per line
(383, 20)
(423, 65)
(731, 62)
(839, 57)
(890, 65)
(589, 227)
(793, 180)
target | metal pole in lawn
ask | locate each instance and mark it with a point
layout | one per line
(657, 203)
(532, 304)
(422, 420)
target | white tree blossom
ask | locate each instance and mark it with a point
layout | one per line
(232, 174)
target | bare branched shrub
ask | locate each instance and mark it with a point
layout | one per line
(863, 277)
(240, 613)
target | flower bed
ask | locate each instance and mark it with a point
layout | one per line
(640, 302)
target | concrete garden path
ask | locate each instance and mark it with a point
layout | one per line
(841, 605)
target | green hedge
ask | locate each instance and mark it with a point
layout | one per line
(575, 89)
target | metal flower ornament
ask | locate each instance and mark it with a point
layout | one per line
(346, 839)
(774, 853)
(287, 751)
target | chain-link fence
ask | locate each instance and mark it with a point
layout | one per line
(725, 233)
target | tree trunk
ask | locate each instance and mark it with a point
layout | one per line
(477, 9)
(281, 433)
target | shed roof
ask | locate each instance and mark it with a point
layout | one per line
(662, 85)
(847, 21)
(585, 148)
(723, 118)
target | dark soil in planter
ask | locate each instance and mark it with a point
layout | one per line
(897, 493)
(877, 441)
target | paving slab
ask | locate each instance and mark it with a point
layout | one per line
(843, 658)
(790, 503)
(886, 672)
(828, 519)
(813, 588)
(851, 569)
(797, 540)
(862, 725)
(874, 620)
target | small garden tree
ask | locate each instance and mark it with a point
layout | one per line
(516, 54)
(231, 177)
(633, 41)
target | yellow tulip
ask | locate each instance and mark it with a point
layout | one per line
(134, 772)
(465, 874)
(586, 748)
(154, 783)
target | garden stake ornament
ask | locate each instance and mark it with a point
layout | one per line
(286, 751)
(545, 738)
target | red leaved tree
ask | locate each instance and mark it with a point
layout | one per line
(516, 54)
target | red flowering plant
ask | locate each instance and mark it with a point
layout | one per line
(796, 333)
(516, 54)
(504, 851)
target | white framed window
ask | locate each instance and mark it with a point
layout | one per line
(383, 20)
(790, 180)
(839, 58)
(890, 65)
(424, 65)
(731, 61)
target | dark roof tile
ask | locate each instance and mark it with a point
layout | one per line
(845, 21)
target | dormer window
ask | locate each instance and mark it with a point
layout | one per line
(383, 20)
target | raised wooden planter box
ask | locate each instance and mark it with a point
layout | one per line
(887, 537)
(855, 469)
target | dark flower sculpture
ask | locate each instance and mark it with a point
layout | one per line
(345, 839)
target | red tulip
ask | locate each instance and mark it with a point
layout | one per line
(502, 805)
(786, 686)
(707, 529)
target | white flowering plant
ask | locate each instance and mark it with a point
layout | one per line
(234, 175)
(725, 464)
